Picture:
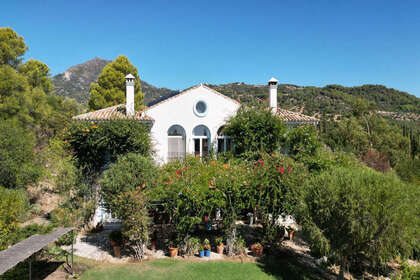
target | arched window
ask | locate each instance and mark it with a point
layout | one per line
(176, 143)
(224, 142)
(201, 138)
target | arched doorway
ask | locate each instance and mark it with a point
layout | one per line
(201, 138)
(176, 143)
(224, 142)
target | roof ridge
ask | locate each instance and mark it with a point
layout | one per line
(190, 89)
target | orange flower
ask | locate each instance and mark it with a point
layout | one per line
(213, 163)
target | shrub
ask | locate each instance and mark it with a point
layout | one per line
(376, 213)
(135, 218)
(129, 173)
(194, 189)
(94, 144)
(239, 247)
(190, 246)
(302, 141)
(255, 129)
(67, 239)
(17, 159)
(14, 204)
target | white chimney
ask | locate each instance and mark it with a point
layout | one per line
(272, 89)
(129, 95)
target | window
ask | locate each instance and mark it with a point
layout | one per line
(201, 138)
(176, 143)
(200, 108)
(224, 142)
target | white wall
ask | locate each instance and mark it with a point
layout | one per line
(179, 110)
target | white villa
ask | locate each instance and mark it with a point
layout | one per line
(189, 122)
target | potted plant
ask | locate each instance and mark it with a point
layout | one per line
(201, 251)
(116, 241)
(207, 247)
(291, 231)
(257, 249)
(219, 245)
(173, 249)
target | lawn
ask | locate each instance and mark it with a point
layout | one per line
(178, 269)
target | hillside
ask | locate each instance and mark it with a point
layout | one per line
(331, 100)
(75, 82)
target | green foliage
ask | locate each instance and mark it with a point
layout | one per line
(409, 170)
(134, 213)
(17, 160)
(26, 91)
(274, 185)
(12, 47)
(14, 205)
(376, 213)
(110, 88)
(194, 189)
(61, 167)
(239, 247)
(359, 135)
(191, 246)
(94, 144)
(129, 173)
(255, 129)
(329, 100)
(38, 75)
(73, 214)
(302, 141)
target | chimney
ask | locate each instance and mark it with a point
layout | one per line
(272, 89)
(129, 95)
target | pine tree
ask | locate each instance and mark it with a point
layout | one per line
(110, 88)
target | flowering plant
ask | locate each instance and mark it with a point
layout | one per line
(206, 244)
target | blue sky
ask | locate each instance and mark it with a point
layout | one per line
(177, 44)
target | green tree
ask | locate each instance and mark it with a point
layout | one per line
(128, 173)
(14, 205)
(302, 141)
(96, 144)
(38, 75)
(133, 212)
(12, 47)
(352, 212)
(255, 129)
(17, 159)
(110, 88)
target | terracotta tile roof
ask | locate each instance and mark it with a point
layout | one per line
(116, 112)
(295, 117)
(176, 94)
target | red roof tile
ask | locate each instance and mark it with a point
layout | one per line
(116, 112)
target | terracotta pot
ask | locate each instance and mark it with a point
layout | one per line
(219, 248)
(291, 233)
(173, 252)
(153, 245)
(257, 251)
(117, 251)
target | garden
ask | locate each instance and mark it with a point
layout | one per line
(236, 204)
(241, 210)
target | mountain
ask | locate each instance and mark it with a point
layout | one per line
(332, 100)
(75, 82)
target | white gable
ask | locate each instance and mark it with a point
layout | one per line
(183, 110)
